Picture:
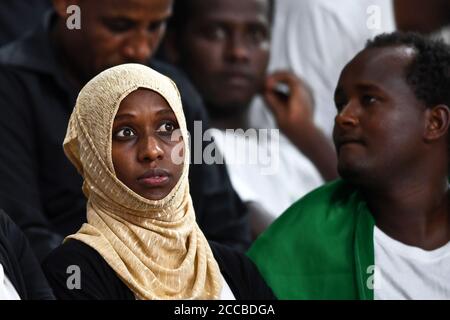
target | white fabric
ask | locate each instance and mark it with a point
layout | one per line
(406, 272)
(226, 293)
(280, 176)
(315, 39)
(7, 290)
(443, 34)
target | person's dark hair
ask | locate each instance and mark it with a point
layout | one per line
(429, 72)
(183, 11)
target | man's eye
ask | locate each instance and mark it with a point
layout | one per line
(125, 133)
(215, 33)
(340, 104)
(368, 99)
(155, 26)
(257, 35)
(118, 25)
(167, 127)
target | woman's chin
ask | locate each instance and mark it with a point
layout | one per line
(154, 194)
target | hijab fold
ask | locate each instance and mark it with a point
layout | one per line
(155, 247)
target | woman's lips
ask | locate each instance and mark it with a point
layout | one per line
(154, 181)
(154, 178)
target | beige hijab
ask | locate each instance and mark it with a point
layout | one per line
(155, 247)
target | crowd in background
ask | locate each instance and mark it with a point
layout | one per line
(278, 67)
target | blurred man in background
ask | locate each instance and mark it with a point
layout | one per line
(40, 77)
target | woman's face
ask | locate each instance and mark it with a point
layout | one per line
(144, 150)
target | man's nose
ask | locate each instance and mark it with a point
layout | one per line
(348, 115)
(140, 47)
(237, 48)
(150, 150)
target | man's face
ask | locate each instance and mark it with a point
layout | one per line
(114, 32)
(380, 124)
(225, 50)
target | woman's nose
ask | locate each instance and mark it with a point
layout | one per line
(150, 150)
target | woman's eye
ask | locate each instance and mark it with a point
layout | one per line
(167, 127)
(125, 133)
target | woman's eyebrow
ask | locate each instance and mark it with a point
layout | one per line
(165, 112)
(124, 116)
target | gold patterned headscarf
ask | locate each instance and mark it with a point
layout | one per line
(155, 247)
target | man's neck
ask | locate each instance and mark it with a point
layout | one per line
(433, 15)
(414, 211)
(62, 44)
(236, 120)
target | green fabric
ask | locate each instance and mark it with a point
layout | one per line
(320, 248)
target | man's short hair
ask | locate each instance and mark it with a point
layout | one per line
(429, 72)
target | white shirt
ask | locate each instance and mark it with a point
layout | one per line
(226, 293)
(7, 290)
(406, 272)
(276, 176)
(316, 38)
(443, 34)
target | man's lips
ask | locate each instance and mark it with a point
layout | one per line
(154, 178)
(237, 79)
(345, 141)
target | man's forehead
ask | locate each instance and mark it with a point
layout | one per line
(128, 6)
(400, 55)
(230, 10)
(381, 63)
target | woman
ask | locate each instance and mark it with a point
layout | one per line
(127, 137)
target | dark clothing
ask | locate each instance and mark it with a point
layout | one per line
(98, 281)
(36, 101)
(19, 263)
(19, 16)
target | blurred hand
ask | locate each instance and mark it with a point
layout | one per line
(294, 116)
(294, 112)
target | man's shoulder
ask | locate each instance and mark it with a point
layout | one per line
(8, 52)
(318, 214)
(24, 74)
(314, 236)
(13, 70)
(320, 201)
(5, 222)
(17, 90)
(30, 54)
(11, 235)
(170, 71)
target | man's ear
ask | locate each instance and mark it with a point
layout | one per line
(438, 121)
(170, 48)
(61, 6)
